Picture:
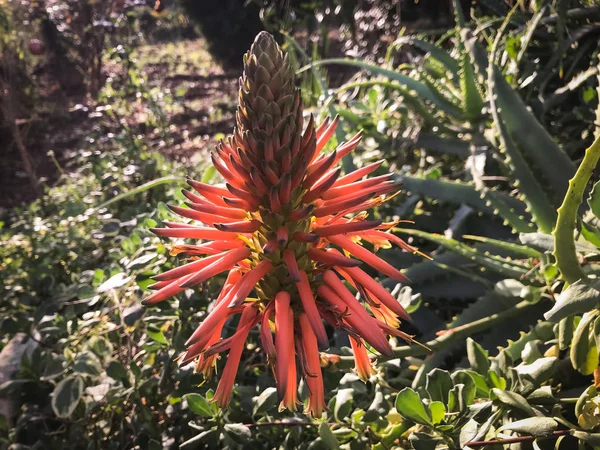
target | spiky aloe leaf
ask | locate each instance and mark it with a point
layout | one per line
(515, 315)
(503, 266)
(421, 89)
(479, 54)
(434, 51)
(409, 100)
(472, 101)
(550, 164)
(533, 194)
(457, 192)
(427, 270)
(542, 331)
(431, 142)
(514, 218)
(509, 246)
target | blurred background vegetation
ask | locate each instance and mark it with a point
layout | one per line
(483, 110)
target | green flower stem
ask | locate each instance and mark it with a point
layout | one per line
(138, 190)
(564, 250)
(449, 337)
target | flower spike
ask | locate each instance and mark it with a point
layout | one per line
(274, 224)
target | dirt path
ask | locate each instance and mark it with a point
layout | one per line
(196, 97)
(200, 100)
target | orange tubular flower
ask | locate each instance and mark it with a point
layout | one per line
(272, 226)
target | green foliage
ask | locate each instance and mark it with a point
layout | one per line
(484, 164)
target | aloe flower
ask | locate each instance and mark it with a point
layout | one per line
(288, 227)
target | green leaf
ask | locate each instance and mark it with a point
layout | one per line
(438, 385)
(533, 426)
(566, 328)
(54, 367)
(580, 297)
(328, 437)
(584, 353)
(117, 371)
(503, 266)
(141, 261)
(468, 432)
(457, 192)
(506, 246)
(205, 436)
(87, 363)
(468, 391)
(238, 432)
(208, 174)
(377, 407)
(590, 233)
(139, 189)
(157, 335)
(409, 405)
(554, 167)
(266, 400)
(66, 396)
(114, 282)
(13, 387)
(514, 400)
(594, 199)
(438, 412)
(424, 441)
(478, 357)
(592, 439)
(539, 371)
(343, 403)
(198, 405)
(481, 387)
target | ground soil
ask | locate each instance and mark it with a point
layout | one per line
(202, 108)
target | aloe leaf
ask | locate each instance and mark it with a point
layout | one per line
(479, 55)
(434, 51)
(565, 250)
(409, 100)
(427, 270)
(517, 220)
(445, 98)
(472, 101)
(542, 210)
(451, 287)
(510, 246)
(431, 142)
(590, 233)
(529, 136)
(457, 192)
(410, 83)
(459, 16)
(502, 266)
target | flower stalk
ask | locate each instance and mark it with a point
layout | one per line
(288, 228)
